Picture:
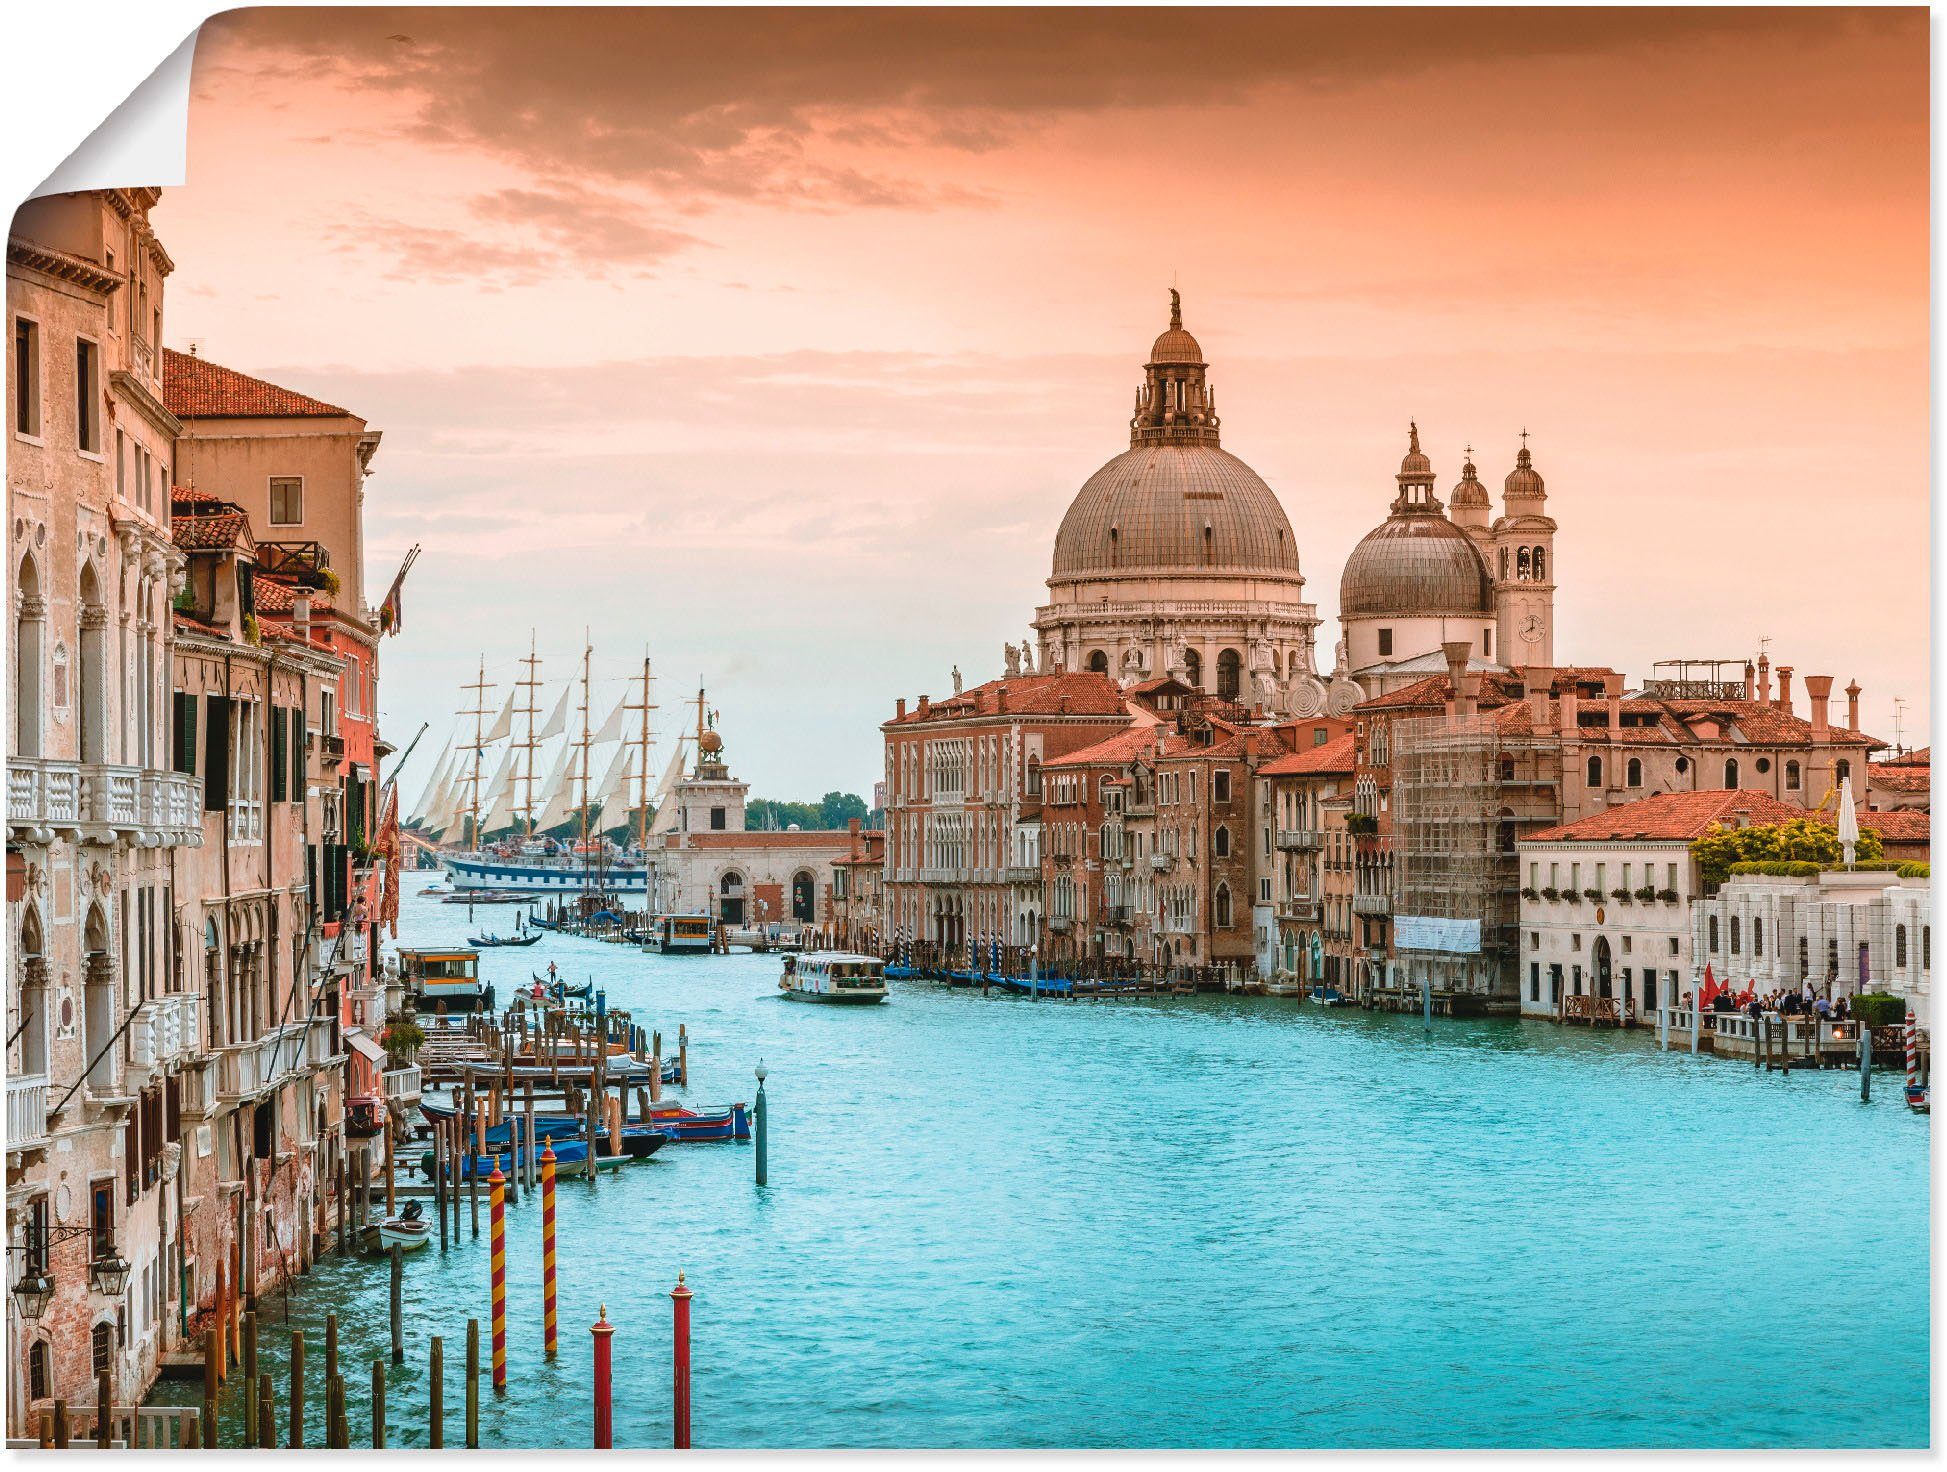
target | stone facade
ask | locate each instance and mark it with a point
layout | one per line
(1308, 797)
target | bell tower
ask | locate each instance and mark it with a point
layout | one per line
(1524, 567)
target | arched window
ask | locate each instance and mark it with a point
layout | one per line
(1711, 925)
(32, 1027)
(1209, 546)
(1841, 769)
(1034, 776)
(30, 624)
(102, 1342)
(93, 693)
(40, 1374)
(1730, 773)
(1220, 842)
(1735, 934)
(1099, 662)
(1899, 947)
(1230, 668)
(1522, 566)
(1595, 771)
(1223, 907)
(1193, 669)
(1804, 958)
(804, 897)
(1635, 771)
(1541, 564)
(1791, 777)
(1504, 564)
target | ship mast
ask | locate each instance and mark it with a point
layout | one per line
(642, 761)
(479, 687)
(531, 685)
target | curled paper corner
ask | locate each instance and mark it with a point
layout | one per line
(144, 141)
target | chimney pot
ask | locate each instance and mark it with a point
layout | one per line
(1818, 690)
(1784, 701)
(1457, 651)
(1612, 687)
(1852, 706)
(901, 710)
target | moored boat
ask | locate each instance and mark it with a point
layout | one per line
(488, 942)
(679, 935)
(407, 1231)
(444, 978)
(833, 976)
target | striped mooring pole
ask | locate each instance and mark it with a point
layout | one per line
(499, 1184)
(679, 1297)
(547, 1249)
(1912, 1050)
(603, 1331)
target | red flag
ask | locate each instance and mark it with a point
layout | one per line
(1710, 987)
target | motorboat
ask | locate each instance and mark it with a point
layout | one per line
(679, 935)
(833, 976)
(408, 1230)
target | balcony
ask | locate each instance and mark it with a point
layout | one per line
(1300, 840)
(246, 1069)
(401, 1084)
(1060, 924)
(1301, 908)
(101, 803)
(26, 1111)
(1372, 904)
(1115, 914)
(1161, 861)
(1021, 874)
(166, 1030)
(934, 874)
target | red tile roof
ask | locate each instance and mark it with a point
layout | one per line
(190, 496)
(1900, 776)
(1672, 816)
(1921, 758)
(1124, 746)
(195, 388)
(211, 533)
(197, 626)
(1904, 826)
(1334, 758)
(277, 596)
(1084, 693)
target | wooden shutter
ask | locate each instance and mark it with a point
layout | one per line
(279, 767)
(297, 753)
(183, 734)
(216, 754)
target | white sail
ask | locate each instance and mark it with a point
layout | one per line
(558, 722)
(425, 804)
(614, 782)
(612, 727)
(503, 726)
(665, 819)
(452, 804)
(564, 789)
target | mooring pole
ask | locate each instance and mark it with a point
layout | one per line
(547, 1250)
(473, 1382)
(1865, 1062)
(499, 1271)
(378, 1404)
(436, 1396)
(603, 1332)
(297, 1388)
(679, 1298)
(763, 1153)
(398, 1304)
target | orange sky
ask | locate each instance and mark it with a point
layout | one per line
(778, 342)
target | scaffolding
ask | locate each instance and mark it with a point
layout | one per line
(1464, 787)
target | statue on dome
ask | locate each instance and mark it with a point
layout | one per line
(1012, 660)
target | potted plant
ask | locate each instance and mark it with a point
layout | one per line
(1668, 896)
(1593, 896)
(1646, 893)
(1551, 893)
(1529, 892)
(401, 1040)
(1621, 896)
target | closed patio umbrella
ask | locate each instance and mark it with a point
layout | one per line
(1848, 820)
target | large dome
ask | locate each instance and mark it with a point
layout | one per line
(1412, 564)
(1175, 508)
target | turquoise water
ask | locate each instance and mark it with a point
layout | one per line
(1198, 1222)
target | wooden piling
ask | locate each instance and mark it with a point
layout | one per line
(104, 1413)
(436, 1396)
(334, 1409)
(378, 1404)
(530, 1164)
(249, 1378)
(479, 1148)
(193, 1433)
(391, 1161)
(331, 1346)
(656, 1068)
(1865, 1063)
(343, 1203)
(473, 1382)
(683, 1055)
(297, 1388)
(266, 1412)
(439, 1181)
(210, 1352)
(398, 1304)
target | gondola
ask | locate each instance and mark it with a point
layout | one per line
(563, 990)
(1916, 1098)
(491, 942)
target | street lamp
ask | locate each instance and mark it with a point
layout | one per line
(109, 1274)
(32, 1292)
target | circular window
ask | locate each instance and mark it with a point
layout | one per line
(1683, 765)
(1764, 764)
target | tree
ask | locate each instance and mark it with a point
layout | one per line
(1802, 840)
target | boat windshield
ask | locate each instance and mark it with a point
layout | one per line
(690, 928)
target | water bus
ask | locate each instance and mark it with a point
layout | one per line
(450, 978)
(833, 976)
(679, 935)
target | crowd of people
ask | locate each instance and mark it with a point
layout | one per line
(1807, 1001)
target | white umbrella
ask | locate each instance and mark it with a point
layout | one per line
(1848, 820)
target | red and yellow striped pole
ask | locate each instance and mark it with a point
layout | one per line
(547, 1248)
(499, 1184)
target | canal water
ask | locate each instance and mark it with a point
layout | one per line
(1190, 1222)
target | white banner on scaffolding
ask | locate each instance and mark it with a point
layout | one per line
(1436, 933)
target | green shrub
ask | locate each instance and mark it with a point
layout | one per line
(1551, 893)
(1668, 896)
(1621, 896)
(1778, 868)
(1913, 869)
(1647, 893)
(1593, 896)
(1879, 1009)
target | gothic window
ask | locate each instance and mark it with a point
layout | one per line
(1034, 776)
(40, 1378)
(1220, 843)
(1595, 771)
(1730, 773)
(93, 672)
(29, 625)
(1791, 777)
(1209, 546)
(1115, 546)
(1635, 771)
(1223, 907)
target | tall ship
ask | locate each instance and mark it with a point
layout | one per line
(502, 802)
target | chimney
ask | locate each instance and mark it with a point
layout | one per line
(901, 712)
(1000, 699)
(1764, 679)
(1612, 684)
(301, 614)
(1457, 651)
(1818, 690)
(1852, 706)
(1784, 701)
(1536, 681)
(1750, 680)
(1571, 709)
(925, 707)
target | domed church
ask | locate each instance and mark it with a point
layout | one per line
(1176, 559)
(1420, 579)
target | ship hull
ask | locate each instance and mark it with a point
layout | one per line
(545, 878)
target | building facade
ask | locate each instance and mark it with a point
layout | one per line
(1308, 794)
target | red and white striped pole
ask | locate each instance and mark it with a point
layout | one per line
(547, 1252)
(1912, 1050)
(603, 1331)
(499, 1184)
(679, 1296)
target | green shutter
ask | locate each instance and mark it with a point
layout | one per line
(279, 772)
(183, 732)
(216, 754)
(297, 753)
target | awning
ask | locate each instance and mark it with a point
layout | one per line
(364, 1045)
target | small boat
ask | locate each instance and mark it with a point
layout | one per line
(489, 942)
(561, 989)
(408, 1230)
(364, 1118)
(578, 1166)
(731, 1122)
(1326, 995)
(1916, 1097)
(446, 979)
(833, 976)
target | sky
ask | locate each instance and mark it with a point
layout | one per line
(775, 344)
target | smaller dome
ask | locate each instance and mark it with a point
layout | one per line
(1415, 467)
(1415, 565)
(1524, 480)
(1470, 491)
(709, 743)
(1176, 346)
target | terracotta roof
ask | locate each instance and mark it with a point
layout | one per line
(1084, 693)
(1900, 776)
(1904, 826)
(190, 496)
(1124, 746)
(197, 626)
(211, 533)
(195, 388)
(277, 596)
(1672, 816)
(1335, 757)
(1921, 758)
